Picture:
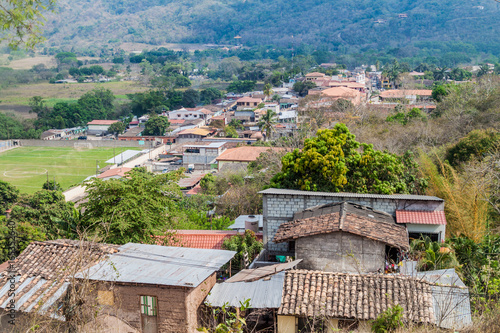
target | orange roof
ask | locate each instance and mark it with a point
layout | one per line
(114, 172)
(315, 74)
(204, 239)
(420, 217)
(243, 154)
(202, 110)
(396, 93)
(340, 92)
(247, 99)
(177, 121)
(102, 122)
(195, 190)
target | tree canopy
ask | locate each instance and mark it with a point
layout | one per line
(131, 209)
(332, 162)
(156, 125)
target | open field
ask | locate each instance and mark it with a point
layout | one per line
(52, 93)
(27, 167)
(29, 62)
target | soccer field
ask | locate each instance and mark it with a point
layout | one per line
(27, 167)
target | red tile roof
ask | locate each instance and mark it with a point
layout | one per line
(195, 190)
(177, 121)
(243, 154)
(420, 217)
(114, 172)
(203, 239)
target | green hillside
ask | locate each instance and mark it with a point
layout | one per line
(341, 25)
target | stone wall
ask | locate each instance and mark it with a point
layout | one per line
(77, 143)
(279, 208)
(177, 306)
(340, 252)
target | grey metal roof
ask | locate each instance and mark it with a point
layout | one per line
(247, 275)
(127, 154)
(277, 191)
(239, 222)
(264, 293)
(160, 265)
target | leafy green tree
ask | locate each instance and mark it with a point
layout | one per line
(208, 95)
(96, 104)
(150, 101)
(483, 70)
(438, 92)
(241, 86)
(134, 208)
(25, 234)
(302, 88)
(331, 162)
(8, 195)
(44, 209)
(389, 321)
(51, 185)
(156, 125)
(245, 245)
(268, 90)
(267, 123)
(475, 146)
(190, 98)
(404, 118)
(21, 21)
(230, 132)
(117, 128)
(433, 255)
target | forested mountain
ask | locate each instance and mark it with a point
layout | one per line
(346, 26)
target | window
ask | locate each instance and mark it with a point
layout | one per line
(149, 314)
(149, 305)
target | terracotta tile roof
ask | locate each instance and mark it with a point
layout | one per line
(420, 217)
(340, 92)
(353, 296)
(114, 172)
(247, 99)
(243, 154)
(102, 122)
(396, 93)
(347, 217)
(196, 131)
(177, 121)
(203, 239)
(45, 268)
(315, 74)
(195, 190)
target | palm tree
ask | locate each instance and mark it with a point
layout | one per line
(267, 122)
(268, 90)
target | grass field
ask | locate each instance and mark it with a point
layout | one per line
(20, 95)
(27, 167)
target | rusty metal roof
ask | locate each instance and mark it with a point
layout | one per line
(276, 191)
(247, 275)
(159, 265)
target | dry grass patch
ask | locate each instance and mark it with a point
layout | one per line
(28, 63)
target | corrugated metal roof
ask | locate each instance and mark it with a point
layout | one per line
(277, 191)
(247, 275)
(161, 265)
(263, 294)
(420, 217)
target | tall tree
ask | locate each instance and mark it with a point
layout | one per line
(20, 21)
(117, 128)
(267, 123)
(8, 195)
(132, 209)
(156, 125)
(331, 162)
(268, 90)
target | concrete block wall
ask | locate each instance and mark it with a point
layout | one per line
(340, 252)
(279, 208)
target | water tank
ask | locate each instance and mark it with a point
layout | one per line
(252, 223)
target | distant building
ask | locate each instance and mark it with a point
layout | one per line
(99, 126)
(247, 103)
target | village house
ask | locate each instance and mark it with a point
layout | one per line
(314, 76)
(335, 93)
(203, 154)
(194, 134)
(240, 157)
(191, 114)
(247, 103)
(409, 96)
(151, 288)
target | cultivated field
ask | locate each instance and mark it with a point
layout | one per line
(27, 167)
